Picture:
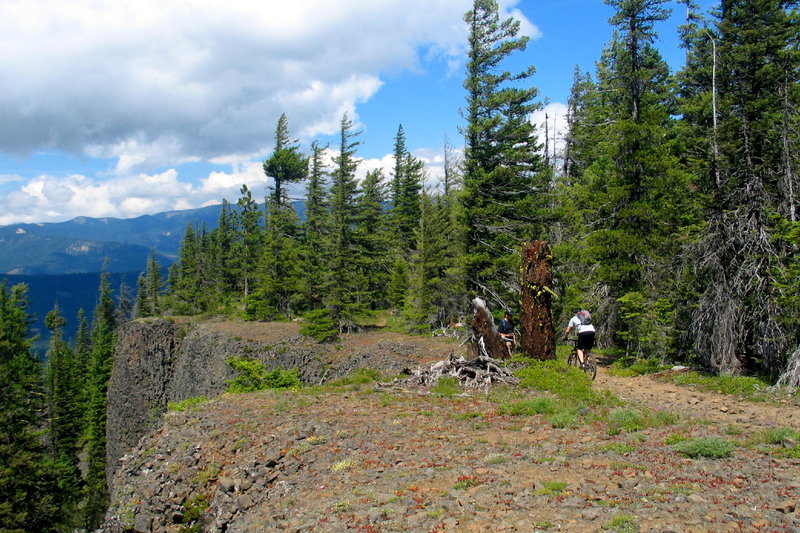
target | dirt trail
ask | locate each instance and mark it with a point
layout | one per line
(656, 393)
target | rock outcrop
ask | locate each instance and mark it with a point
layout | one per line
(159, 361)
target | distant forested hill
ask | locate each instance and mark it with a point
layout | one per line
(71, 292)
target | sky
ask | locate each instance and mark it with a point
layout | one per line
(112, 108)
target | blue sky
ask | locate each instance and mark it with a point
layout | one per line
(119, 109)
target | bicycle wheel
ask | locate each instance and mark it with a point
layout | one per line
(572, 360)
(591, 366)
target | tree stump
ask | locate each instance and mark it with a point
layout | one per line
(536, 320)
(487, 341)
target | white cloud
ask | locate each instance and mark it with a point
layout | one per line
(551, 120)
(154, 84)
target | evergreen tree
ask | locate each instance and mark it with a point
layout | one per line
(741, 252)
(65, 410)
(342, 287)
(433, 295)
(103, 337)
(251, 239)
(280, 275)
(630, 192)
(372, 237)
(501, 159)
(29, 493)
(316, 229)
(286, 164)
(149, 286)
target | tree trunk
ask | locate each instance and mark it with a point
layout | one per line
(536, 320)
(486, 339)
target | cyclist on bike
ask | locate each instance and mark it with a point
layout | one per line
(506, 330)
(581, 321)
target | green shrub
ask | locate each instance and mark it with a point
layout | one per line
(777, 435)
(618, 447)
(253, 376)
(187, 404)
(320, 326)
(708, 447)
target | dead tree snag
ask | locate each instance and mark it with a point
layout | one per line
(536, 320)
(486, 340)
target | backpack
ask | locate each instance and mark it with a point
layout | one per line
(585, 317)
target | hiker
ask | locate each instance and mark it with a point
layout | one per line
(581, 321)
(506, 330)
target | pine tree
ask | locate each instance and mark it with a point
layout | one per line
(251, 240)
(29, 493)
(373, 241)
(149, 287)
(280, 289)
(342, 285)
(103, 336)
(316, 229)
(427, 302)
(741, 252)
(286, 164)
(501, 160)
(65, 410)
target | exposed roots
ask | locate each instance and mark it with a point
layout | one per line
(479, 373)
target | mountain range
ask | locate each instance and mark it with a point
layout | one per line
(61, 262)
(84, 244)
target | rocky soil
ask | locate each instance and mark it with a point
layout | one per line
(361, 459)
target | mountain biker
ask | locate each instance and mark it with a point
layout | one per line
(506, 330)
(582, 323)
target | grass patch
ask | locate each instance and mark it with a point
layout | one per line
(345, 464)
(207, 475)
(446, 386)
(785, 438)
(495, 459)
(630, 419)
(748, 387)
(618, 447)
(705, 447)
(530, 407)
(465, 482)
(564, 420)
(622, 523)
(634, 366)
(551, 488)
(189, 404)
(570, 384)
(193, 510)
(362, 376)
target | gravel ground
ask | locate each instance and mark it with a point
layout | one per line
(366, 460)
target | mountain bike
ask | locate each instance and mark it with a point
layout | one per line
(589, 365)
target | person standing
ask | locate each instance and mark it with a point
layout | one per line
(506, 330)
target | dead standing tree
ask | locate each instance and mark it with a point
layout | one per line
(486, 340)
(536, 320)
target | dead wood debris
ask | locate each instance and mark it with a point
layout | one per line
(479, 373)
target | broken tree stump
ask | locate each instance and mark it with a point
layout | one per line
(536, 319)
(486, 340)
